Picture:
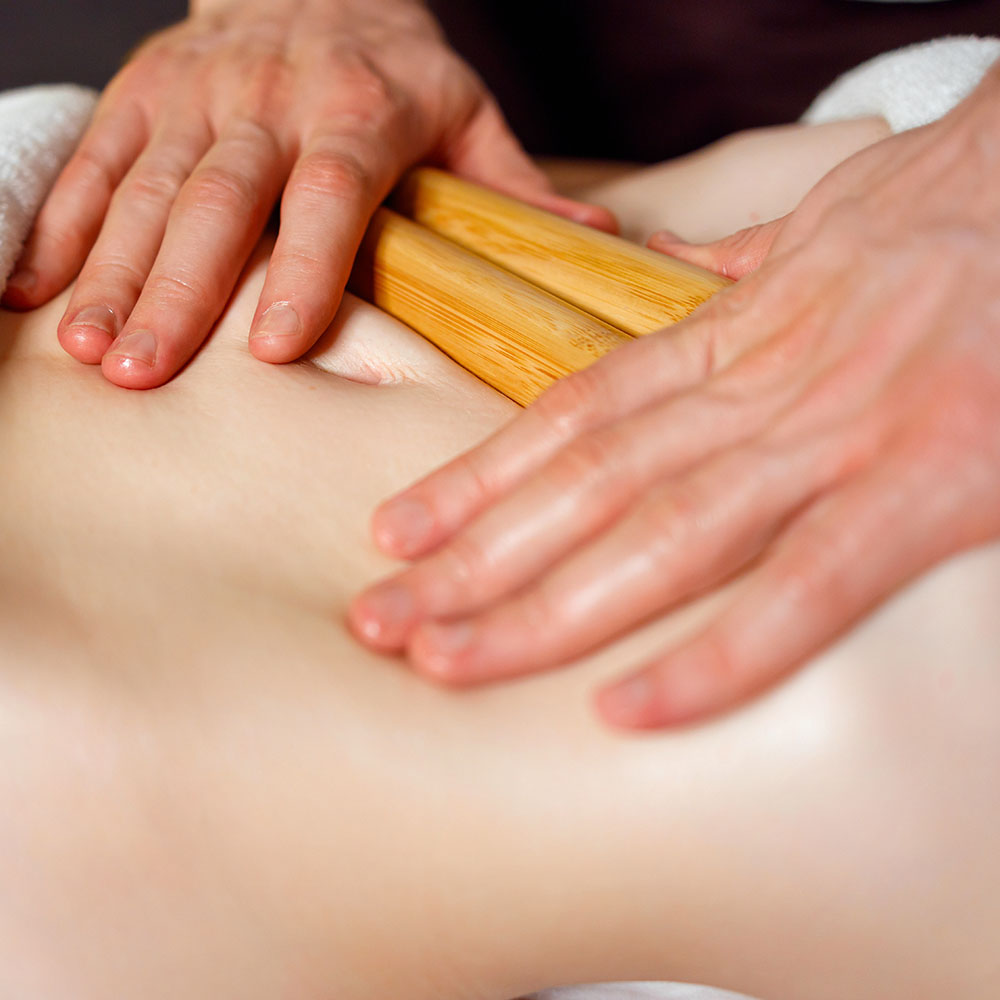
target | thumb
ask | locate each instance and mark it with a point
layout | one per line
(734, 256)
(489, 153)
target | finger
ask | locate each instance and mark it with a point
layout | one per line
(336, 185)
(420, 518)
(116, 269)
(641, 374)
(488, 152)
(838, 560)
(583, 489)
(680, 539)
(214, 224)
(735, 256)
(71, 217)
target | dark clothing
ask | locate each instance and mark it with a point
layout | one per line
(647, 79)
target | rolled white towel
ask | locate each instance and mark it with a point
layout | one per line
(637, 991)
(39, 127)
(910, 86)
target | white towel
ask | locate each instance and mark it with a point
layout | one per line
(911, 86)
(39, 127)
(637, 991)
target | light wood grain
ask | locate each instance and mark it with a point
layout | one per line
(630, 287)
(513, 335)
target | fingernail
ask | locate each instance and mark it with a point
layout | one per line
(138, 346)
(96, 317)
(23, 279)
(280, 320)
(384, 611)
(402, 525)
(439, 644)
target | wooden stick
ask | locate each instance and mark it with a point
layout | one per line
(514, 336)
(632, 288)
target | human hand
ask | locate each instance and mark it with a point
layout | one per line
(192, 144)
(829, 427)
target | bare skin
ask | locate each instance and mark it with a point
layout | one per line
(319, 103)
(831, 424)
(212, 791)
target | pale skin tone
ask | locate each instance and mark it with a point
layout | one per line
(317, 104)
(320, 104)
(830, 426)
(212, 791)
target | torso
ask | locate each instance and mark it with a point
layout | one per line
(211, 787)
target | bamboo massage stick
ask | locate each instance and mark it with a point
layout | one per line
(631, 287)
(514, 336)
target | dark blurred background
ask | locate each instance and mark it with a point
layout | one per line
(632, 79)
(75, 41)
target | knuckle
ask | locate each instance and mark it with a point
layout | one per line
(568, 406)
(220, 189)
(155, 185)
(114, 271)
(591, 458)
(267, 82)
(299, 265)
(90, 166)
(814, 580)
(477, 485)
(339, 175)
(465, 561)
(363, 102)
(842, 223)
(55, 235)
(370, 91)
(251, 130)
(172, 287)
(666, 519)
(357, 76)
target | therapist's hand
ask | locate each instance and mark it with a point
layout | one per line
(195, 140)
(829, 427)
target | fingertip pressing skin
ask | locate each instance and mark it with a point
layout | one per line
(734, 256)
(88, 334)
(278, 336)
(383, 616)
(680, 690)
(132, 361)
(403, 526)
(629, 704)
(442, 651)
